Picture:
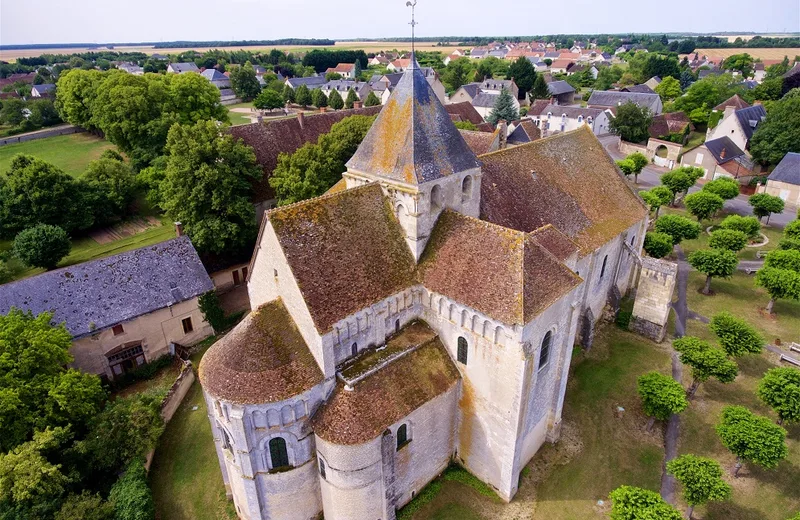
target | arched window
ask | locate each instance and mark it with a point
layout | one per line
(354, 349)
(466, 188)
(322, 469)
(226, 441)
(461, 355)
(402, 436)
(544, 353)
(580, 119)
(633, 239)
(603, 269)
(277, 452)
(589, 120)
(436, 198)
(397, 325)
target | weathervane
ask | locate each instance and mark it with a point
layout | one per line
(412, 5)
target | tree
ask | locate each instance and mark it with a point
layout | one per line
(713, 263)
(661, 396)
(351, 98)
(131, 495)
(735, 335)
(725, 187)
(656, 197)
(780, 390)
(335, 100)
(678, 227)
(784, 259)
(465, 125)
(302, 96)
(632, 503)
(657, 245)
(729, 239)
(13, 112)
(751, 438)
(524, 74)
(540, 90)
(780, 132)
(668, 89)
(686, 79)
(607, 76)
(504, 108)
(639, 162)
(207, 186)
(701, 479)
(318, 98)
(268, 100)
(792, 230)
(333, 76)
(315, 167)
(457, 73)
(288, 94)
(631, 122)
(244, 82)
(76, 91)
(357, 69)
(372, 100)
(677, 181)
(739, 62)
(42, 246)
(706, 361)
(707, 93)
(86, 506)
(750, 226)
(111, 187)
(764, 205)
(779, 283)
(703, 204)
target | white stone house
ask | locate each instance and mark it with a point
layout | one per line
(738, 125)
(559, 118)
(180, 68)
(474, 277)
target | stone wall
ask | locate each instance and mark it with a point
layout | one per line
(41, 134)
(654, 298)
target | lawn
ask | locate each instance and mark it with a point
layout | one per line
(85, 248)
(238, 118)
(695, 140)
(72, 153)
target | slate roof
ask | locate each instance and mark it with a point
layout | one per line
(793, 71)
(607, 98)
(346, 251)
(566, 180)
(271, 138)
(481, 142)
(788, 170)
(497, 84)
(643, 89)
(213, 75)
(311, 82)
(413, 139)
(472, 89)
(734, 101)
(525, 132)
(500, 272)
(184, 67)
(45, 88)
(464, 111)
(96, 295)
(556, 88)
(389, 394)
(264, 359)
(485, 100)
(723, 149)
(750, 118)
(572, 112)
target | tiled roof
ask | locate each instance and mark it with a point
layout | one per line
(567, 180)
(560, 64)
(607, 98)
(556, 88)
(346, 251)
(271, 138)
(95, 295)
(750, 118)
(481, 142)
(723, 149)
(669, 123)
(525, 132)
(734, 101)
(413, 140)
(264, 359)
(788, 170)
(500, 272)
(359, 415)
(538, 106)
(557, 243)
(465, 111)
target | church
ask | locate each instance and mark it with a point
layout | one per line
(423, 312)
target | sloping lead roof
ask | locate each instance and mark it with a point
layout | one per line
(556, 88)
(750, 118)
(788, 170)
(723, 146)
(310, 82)
(503, 273)
(264, 359)
(413, 140)
(95, 295)
(346, 251)
(643, 89)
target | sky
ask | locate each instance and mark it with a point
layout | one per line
(116, 21)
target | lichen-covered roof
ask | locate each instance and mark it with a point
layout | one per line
(413, 139)
(346, 251)
(503, 273)
(340, 185)
(95, 295)
(264, 359)
(385, 397)
(566, 180)
(557, 243)
(481, 142)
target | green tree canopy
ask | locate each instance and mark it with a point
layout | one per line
(457, 73)
(751, 437)
(661, 396)
(780, 133)
(268, 99)
(111, 187)
(779, 283)
(335, 100)
(677, 181)
(302, 96)
(678, 227)
(632, 503)
(703, 204)
(524, 74)
(288, 94)
(42, 246)
(792, 229)
(540, 90)
(657, 245)
(739, 62)
(372, 100)
(351, 98)
(729, 239)
(76, 91)
(750, 226)
(131, 496)
(707, 93)
(719, 263)
(318, 98)
(631, 122)
(668, 89)
(504, 108)
(85, 506)
(701, 479)
(207, 186)
(725, 187)
(784, 259)
(780, 390)
(764, 205)
(736, 336)
(244, 81)
(706, 361)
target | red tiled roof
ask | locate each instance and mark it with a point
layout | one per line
(465, 111)
(481, 142)
(734, 101)
(561, 64)
(669, 123)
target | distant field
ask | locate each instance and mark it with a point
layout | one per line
(12, 55)
(765, 54)
(72, 153)
(746, 37)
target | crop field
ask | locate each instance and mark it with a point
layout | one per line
(765, 54)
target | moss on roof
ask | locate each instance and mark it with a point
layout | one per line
(557, 243)
(264, 359)
(481, 142)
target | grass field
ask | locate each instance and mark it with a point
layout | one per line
(238, 118)
(776, 53)
(72, 153)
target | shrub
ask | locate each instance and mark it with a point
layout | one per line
(678, 227)
(728, 239)
(736, 336)
(131, 495)
(703, 204)
(42, 246)
(657, 245)
(750, 226)
(86, 506)
(212, 310)
(725, 187)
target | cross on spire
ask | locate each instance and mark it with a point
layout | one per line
(412, 4)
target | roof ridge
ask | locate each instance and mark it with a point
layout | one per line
(490, 225)
(324, 196)
(540, 140)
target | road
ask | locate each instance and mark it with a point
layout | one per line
(651, 176)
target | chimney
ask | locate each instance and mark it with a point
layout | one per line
(357, 104)
(503, 126)
(729, 109)
(722, 153)
(322, 110)
(301, 119)
(178, 229)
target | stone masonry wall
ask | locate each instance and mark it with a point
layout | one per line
(653, 298)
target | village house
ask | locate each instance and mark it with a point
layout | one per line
(343, 86)
(43, 90)
(131, 68)
(122, 311)
(495, 86)
(784, 181)
(484, 103)
(399, 65)
(642, 89)
(613, 99)
(720, 157)
(422, 312)
(180, 68)
(738, 124)
(310, 82)
(523, 131)
(558, 118)
(379, 61)
(561, 92)
(668, 124)
(346, 70)
(218, 79)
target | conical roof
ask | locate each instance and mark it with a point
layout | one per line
(413, 140)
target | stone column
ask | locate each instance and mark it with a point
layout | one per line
(654, 298)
